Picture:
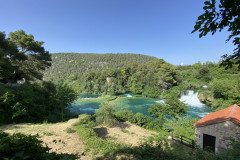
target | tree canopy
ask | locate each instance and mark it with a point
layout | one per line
(22, 57)
(218, 16)
(36, 100)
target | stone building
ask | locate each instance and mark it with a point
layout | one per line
(214, 129)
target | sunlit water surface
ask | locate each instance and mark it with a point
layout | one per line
(90, 103)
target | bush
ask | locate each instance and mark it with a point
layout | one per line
(155, 124)
(141, 120)
(19, 146)
(182, 125)
(84, 128)
(124, 115)
(105, 115)
(69, 130)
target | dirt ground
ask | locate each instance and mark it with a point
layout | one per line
(64, 142)
(124, 132)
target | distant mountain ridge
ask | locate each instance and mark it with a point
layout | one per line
(73, 65)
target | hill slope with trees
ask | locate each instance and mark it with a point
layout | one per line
(74, 65)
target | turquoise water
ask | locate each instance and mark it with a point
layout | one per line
(87, 104)
(138, 104)
(135, 104)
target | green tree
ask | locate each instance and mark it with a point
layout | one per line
(105, 114)
(65, 95)
(218, 17)
(8, 51)
(34, 58)
(137, 82)
(172, 107)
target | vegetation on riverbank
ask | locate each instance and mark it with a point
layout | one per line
(24, 96)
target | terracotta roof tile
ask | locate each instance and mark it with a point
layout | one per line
(231, 113)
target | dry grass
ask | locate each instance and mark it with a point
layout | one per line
(124, 132)
(53, 135)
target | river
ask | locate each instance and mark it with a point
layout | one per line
(90, 103)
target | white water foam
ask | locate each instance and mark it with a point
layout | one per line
(191, 99)
(160, 101)
(87, 109)
(128, 95)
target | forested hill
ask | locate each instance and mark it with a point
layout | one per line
(73, 65)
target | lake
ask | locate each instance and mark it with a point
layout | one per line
(90, 103)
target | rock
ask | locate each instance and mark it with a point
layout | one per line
(205, 98)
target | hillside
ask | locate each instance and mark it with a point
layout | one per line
(73, 65)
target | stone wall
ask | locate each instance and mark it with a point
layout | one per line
(222, 131)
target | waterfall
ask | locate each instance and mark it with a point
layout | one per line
(191, 99)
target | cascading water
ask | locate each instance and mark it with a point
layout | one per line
(196, 108)
(90, 103)
(128, 95)
(191, 99)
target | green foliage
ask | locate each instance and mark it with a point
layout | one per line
(124, 115)
(35, 102)
(105, 114)
(150, 79)
(125, 131)
(182, 125)
(69, 130)
(19, 146)
(155, 125)
(85, 130)
(140, 120)
(47, 133)
(223, 88)
(65, 95)
(217, 17)
(72, 66)
(172, 107)
(22, 57)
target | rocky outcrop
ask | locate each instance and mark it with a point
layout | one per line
(205, 98)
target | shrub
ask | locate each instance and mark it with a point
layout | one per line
(105, 114)
(182, 125)
(84, 128)
(140, 120)
(155, 124)
(69, 130)
(124, 115)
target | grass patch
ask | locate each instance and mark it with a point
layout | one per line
(70, 130)
(84, 128)
(125, 131)
(48, 133)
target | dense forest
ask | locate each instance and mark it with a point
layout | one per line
(74, 65)
(222, 86)
(217, 86)
(122, 73)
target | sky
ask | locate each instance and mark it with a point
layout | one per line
(159, 28)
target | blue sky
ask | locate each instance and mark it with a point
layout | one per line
(152, 27)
